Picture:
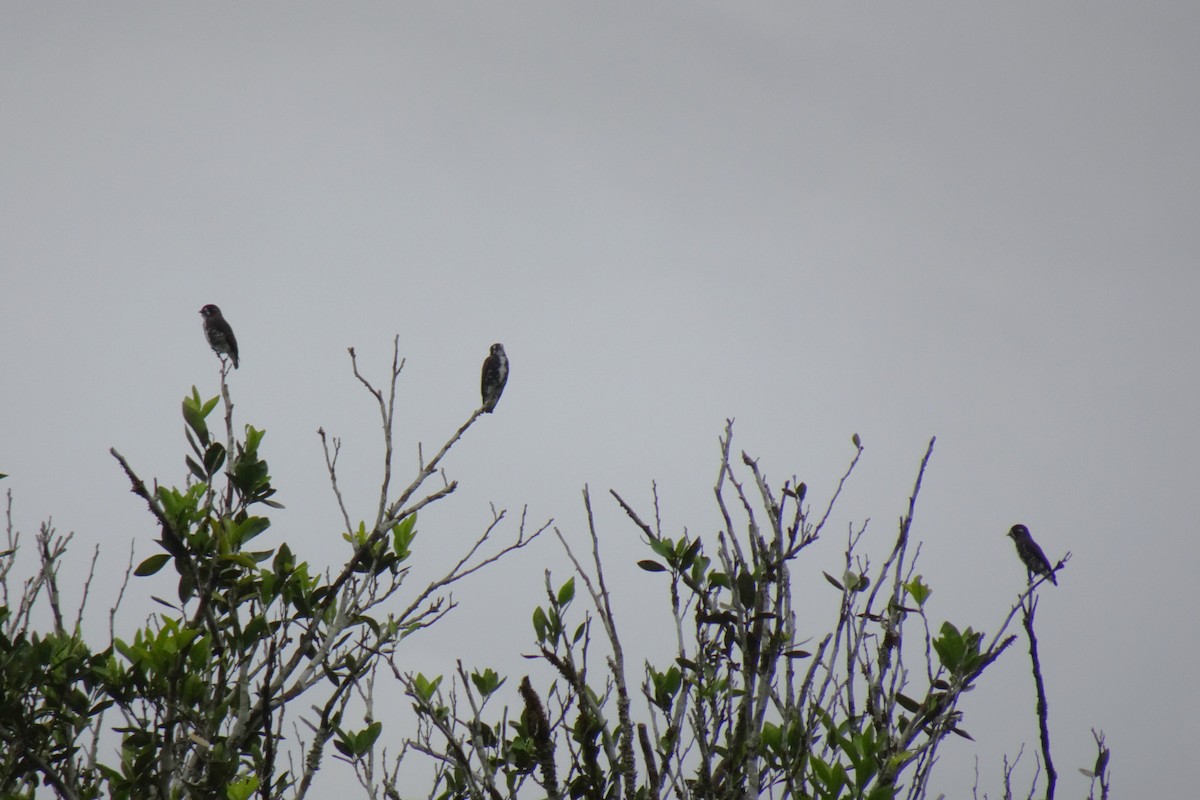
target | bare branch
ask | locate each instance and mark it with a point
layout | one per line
(1029, 610)
(331, 467)
(387, 411)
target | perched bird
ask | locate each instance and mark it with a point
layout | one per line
(495, 375)
(1031, 555)
(219, 334)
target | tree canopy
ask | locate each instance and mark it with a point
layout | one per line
(240, 684)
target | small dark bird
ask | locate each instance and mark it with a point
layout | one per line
(219, 334)
(495, 375)
(1031, 555)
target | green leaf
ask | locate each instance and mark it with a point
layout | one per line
(196, 469)
(364, 740)
(403, 534)
(241, 788)
(689, 555)
(881, 792)
(747, 589)
(253, 438)
(820, 769)
(487, 682)
(152, 565)
(250, 527)
(651, 566)
(214, 458)
(405, 526)
(255, 629)
(919, 591)
(249, 474)
(425, 687)
(772, 736)
(370, 622)
(284, 561)
(194, 418)
(539, 624)
(554, 626)
(187, 587)
(951, 648)
(666, 686)
(566, 592)
(662, 547)
(834, 581)
(857, 582)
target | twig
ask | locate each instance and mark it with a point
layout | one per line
(1030, 609)
(230, 460)
(331, 467)
(387, 411)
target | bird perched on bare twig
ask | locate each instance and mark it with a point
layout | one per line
(495, 375)
(1031, 555)
(219, 334)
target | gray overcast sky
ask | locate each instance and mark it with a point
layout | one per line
(975, 221)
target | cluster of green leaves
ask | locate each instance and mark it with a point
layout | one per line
(745, 707)
(52, 687)
(200, 689)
